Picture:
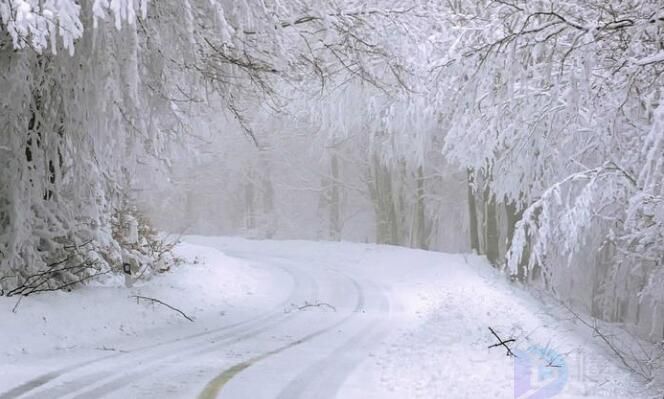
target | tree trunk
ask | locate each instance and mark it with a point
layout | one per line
(492, 235)
(269, 224)
(382, 195)
(250, 212)
(335, 212)
(420, 235)
(513, 217)
(472, 213)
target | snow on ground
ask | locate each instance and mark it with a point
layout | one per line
(446, 304)
(294, 319)
(51, 329)
(447, 356)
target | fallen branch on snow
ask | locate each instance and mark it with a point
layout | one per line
(502, 343)
(311, 305)
(17, 303)
(154, 300)
(109, 349)
(39, 282)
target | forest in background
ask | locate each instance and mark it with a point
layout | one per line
(529, 131)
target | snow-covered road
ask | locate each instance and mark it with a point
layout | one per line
(305, 320)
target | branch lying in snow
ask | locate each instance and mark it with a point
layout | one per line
(109, 349)
(503, 343)
(154, 300)
(311, 305)
(39, 282)
(17, 303)
(316, 305)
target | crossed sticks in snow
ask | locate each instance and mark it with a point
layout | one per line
(503, 343)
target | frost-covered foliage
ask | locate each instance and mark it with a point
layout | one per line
(137, 79)
(75, 127)
(559, 107)
(40, 24)
(552, 113)
(344, 143)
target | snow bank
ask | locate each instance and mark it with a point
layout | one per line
(209, 287)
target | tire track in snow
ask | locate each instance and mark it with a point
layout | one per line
(327, 375)
(122, 381)
(214, 387)
(123, 378)
(70, 386)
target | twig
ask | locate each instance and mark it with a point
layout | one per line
(17, 303)
(310, 305)
(108, 349)
(34, 282)
(619, 354)
(77, 246)
(316, 305)
(154, 300)
(503, 343)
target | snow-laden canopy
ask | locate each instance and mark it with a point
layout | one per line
(536, 127)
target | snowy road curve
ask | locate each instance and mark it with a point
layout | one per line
(331, 320)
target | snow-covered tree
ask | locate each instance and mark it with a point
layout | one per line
(558, 108)
(101, 94)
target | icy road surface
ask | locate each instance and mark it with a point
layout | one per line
(304, 320)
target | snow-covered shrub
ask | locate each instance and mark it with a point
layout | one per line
(142, 247)
(71, 137)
